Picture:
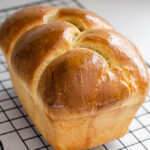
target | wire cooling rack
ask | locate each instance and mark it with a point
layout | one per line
(17, 132)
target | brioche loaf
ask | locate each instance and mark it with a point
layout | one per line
(79, 80)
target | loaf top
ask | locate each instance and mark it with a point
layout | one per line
(72, 62)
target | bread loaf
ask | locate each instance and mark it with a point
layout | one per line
(79, 80)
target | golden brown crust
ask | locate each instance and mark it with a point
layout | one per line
(119, 52)
(36, 47)
(79, 133)
(76, 71)
(80, 80)
(84, 19)
(21, 22)
(38, 50)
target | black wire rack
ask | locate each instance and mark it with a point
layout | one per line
(17, 132)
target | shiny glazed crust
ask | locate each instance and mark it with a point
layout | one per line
(75, 73)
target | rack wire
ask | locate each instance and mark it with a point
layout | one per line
(17, 132)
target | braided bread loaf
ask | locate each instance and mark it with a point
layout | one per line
(79, 80)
